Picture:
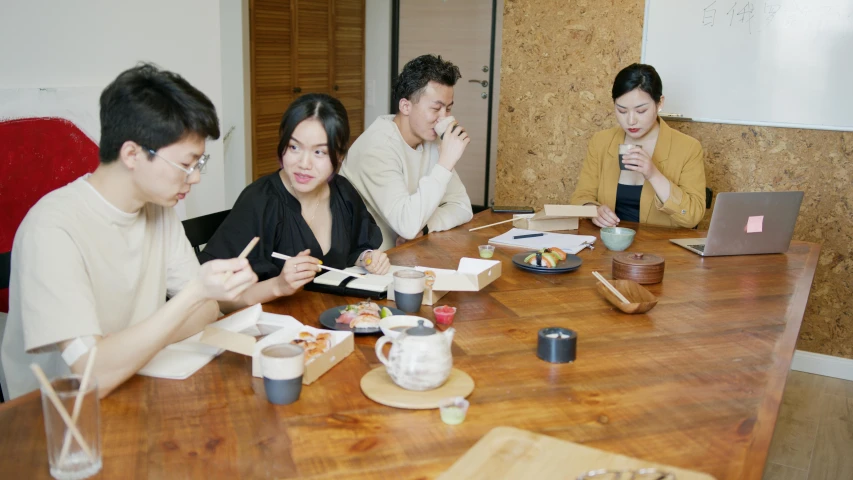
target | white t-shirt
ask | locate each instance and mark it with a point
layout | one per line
(80, 267)
(404, 188)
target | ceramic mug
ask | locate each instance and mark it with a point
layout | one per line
(409, 289)
(282, 366)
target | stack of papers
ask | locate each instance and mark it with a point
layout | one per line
(564, 241)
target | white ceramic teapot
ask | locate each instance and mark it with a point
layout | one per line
(420, 357)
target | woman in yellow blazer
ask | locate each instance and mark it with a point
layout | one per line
(664, 180)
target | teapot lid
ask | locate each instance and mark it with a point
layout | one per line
(420, 330)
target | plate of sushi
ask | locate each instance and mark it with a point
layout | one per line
(360, 318)
(547, 260)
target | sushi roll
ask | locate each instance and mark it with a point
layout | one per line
(542, 259)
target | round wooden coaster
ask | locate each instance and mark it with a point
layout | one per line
(379, 387)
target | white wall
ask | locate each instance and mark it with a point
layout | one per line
(377, 60)
(89, 42)
(236, 98)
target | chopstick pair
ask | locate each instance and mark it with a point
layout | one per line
(243, 254)
(491, 224)
(70, 421)
(282, 256)
(610, 287)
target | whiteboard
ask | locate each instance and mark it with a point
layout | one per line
(784, 63)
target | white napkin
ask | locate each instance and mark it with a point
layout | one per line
(180, 360)
(567, 242)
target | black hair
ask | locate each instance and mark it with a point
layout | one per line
(329, 111)
(154, 108)
(638, 75)
(412, 81)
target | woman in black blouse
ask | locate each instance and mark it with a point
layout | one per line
(304, 210)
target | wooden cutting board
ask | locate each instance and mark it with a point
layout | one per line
(379, 387)
(509, 453)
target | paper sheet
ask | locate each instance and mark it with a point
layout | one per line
(567, 242)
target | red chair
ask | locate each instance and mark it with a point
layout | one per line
(37, 156)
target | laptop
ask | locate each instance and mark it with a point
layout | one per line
(748, 223)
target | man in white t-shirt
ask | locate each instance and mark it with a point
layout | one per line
(405, 177)
(93, 261)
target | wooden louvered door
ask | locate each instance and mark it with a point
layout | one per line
(272, 78)
(348, 73)
(299, 47)
(312, 67)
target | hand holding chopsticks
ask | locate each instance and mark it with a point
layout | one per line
(282, 256)
(243, 254)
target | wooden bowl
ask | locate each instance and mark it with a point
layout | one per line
(641, 299)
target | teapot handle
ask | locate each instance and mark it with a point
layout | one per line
(379, 344)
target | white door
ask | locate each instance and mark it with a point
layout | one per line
(461, 32)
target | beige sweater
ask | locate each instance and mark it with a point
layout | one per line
(404, 187)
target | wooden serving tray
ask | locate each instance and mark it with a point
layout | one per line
(510, 453)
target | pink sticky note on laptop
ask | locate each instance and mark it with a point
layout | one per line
(755, 224)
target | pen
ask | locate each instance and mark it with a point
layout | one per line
(528, 236)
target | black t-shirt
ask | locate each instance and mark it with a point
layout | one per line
(266, 209)
(628, 202)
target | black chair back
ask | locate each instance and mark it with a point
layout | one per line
(200, 229)
(709, 196)
(5, 269)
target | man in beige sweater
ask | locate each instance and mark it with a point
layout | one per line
(401, 167)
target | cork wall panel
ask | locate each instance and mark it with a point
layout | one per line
(559, 61)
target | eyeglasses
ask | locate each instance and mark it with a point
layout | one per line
(641, 474)
(202, 162)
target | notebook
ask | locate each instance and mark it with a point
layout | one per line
(748, 223)
(369, 286)
(567, 242)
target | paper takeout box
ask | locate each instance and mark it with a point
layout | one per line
(472, 275)
(555, 217)
(239, 333)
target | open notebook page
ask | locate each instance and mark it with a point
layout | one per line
(564, 241)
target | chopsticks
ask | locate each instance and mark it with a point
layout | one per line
(243, 254)
(282, 256)
(78, 402)
(491, 224)
(610, 287)
(57, 403)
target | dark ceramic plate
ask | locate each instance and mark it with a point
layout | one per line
(570, 264)
(327, 319)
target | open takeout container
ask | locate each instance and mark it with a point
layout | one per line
(241, 332)
(640, 300)
(472, 275)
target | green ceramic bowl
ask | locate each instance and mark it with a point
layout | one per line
(617, 238)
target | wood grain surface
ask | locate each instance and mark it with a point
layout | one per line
(695, 383)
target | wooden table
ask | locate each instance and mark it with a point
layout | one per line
(695, 383)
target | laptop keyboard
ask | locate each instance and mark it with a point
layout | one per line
(698, 246)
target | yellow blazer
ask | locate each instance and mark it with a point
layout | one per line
(677, 156)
